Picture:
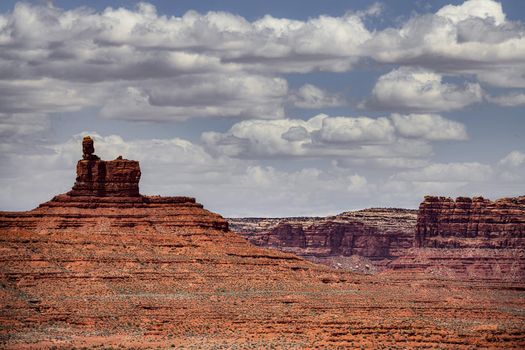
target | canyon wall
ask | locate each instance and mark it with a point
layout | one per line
(373, 233)
(462, 238)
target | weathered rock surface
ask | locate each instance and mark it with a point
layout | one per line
(115, 178)
(466, 238)
(471, 223)
(95, 177)
(374, 233)
(102, 270)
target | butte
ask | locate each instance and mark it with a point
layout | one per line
(103, 265)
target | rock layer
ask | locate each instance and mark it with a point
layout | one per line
(471, 223)
(465, 238)
(374, 233)
(104, 269)
(115, 178)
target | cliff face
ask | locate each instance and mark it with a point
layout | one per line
(115, 178)
(465, 238)
(374, 233)
(471, 223)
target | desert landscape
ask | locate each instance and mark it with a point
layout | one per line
(262, 174)
(103, 266)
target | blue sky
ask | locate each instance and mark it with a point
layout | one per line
(270, 108)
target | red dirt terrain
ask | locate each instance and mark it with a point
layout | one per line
(105, 267)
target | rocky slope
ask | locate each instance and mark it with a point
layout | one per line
(107, 268)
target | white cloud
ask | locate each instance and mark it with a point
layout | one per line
(509, 77)
(421, 90)
(472, 38)
(360, 129)
(138, 64)
(142, 39)
(14, 125)
(484, 9)
(44, 96)
(208, 95)
(381, 163)
(233, 187)
(508, 100)
(448, 172)
(310, 96)
(357, 183)
(324, 136)
(179, 167)
(513, 159)
(429, 127)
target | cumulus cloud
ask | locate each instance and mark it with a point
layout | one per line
(484, 9)
(471, 38)
(513, 159)
(15, 125)
(310, 96)
(324, 136)
(448, 172)
(416, 89)
(360, 129)
(138, 64)
(179, 167)
(512, 76)
(143, 39)
(232, 187)
(381, 163)
(209, 95)
(508, 100)
(429, 127)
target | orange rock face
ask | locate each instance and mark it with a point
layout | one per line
(93, 269)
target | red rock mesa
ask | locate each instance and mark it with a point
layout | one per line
(103, 266)
(467, 237)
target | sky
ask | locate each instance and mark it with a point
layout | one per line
(267, 108)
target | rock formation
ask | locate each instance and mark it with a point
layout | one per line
(88, 149)
(376, 234)
(465, 238)
(103, 266)
(95, 177)
(471, 223)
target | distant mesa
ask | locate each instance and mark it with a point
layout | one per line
(472, 237)
(471, 223)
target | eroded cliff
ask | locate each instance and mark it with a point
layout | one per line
(471, 223)
(462, 238)
(374, 233)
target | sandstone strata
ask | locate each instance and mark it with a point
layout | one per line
(471, 223)
(465, 238)
(118, 269)
(376, 234)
